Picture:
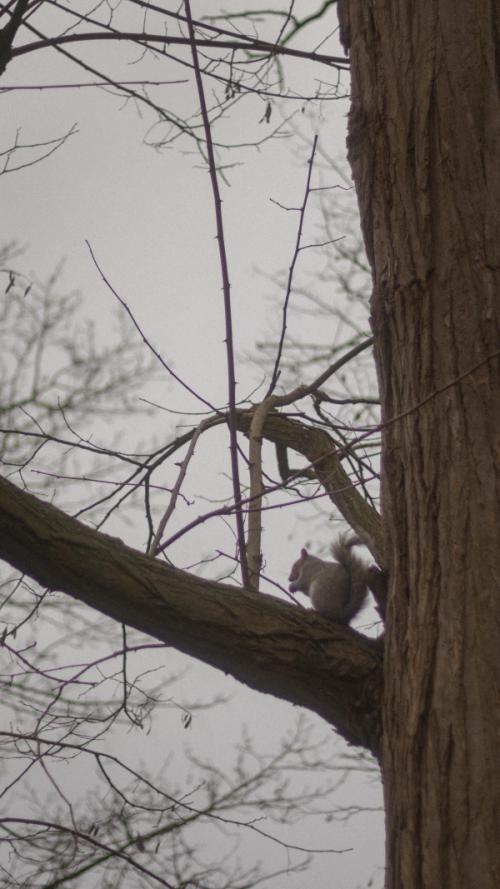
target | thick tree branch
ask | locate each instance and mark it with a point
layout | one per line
(267, 644)
(324, 454)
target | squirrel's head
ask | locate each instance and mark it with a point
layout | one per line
(297, 566)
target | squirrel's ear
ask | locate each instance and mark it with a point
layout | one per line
(303, 553)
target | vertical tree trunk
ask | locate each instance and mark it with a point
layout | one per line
(424, 146)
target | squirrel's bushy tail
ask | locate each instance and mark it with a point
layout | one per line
(355, 567)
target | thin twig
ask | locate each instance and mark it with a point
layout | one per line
(143, 336)
(302, 210)
(226, 288)
(205, 424)
(92, 842)
(254, 539)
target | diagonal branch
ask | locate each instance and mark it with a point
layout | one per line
(291, 270)
(255, 434)
(267, 644)
(169, 40)
(325, 458)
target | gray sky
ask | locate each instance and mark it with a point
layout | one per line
(150, 220)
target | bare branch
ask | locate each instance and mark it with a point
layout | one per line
(226, 287)
(265, 643)
(155, 543)
(144, 38)
(302, 212)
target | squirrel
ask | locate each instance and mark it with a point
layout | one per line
(337, 589)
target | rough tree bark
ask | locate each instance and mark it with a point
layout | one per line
(267, 644)
(424, 146)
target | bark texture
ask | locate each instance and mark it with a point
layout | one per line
(267, 644)
(424, 146)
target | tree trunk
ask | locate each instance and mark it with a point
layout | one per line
(424, 146)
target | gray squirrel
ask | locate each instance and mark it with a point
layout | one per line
(337, 589)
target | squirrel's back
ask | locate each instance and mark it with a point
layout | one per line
(337, 589)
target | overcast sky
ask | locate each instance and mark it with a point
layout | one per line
(149, 217)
